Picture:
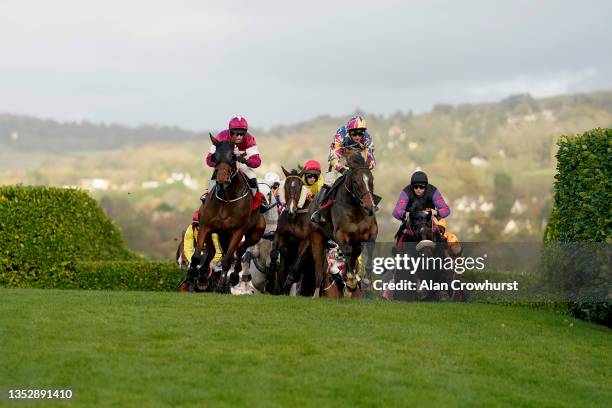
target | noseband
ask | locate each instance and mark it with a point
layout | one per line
(233, 174)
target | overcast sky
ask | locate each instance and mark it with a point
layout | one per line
(195, 63)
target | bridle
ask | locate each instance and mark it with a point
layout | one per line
(351, 190)
(417, 225)
(233, 174)
(297, 211)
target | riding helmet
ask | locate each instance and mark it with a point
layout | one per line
(356, 122)
(419, 177)
(312, 167)
(238, 122)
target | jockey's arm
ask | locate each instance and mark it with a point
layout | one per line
(369, 145)
(441, 207)
(208, 159)
(337, 150)
(399, 210)
(252, 156)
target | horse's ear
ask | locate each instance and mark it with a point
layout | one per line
(285, 172)
(301, 173)
(213, 140)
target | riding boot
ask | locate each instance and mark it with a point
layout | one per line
(254, 190)
(316, 216)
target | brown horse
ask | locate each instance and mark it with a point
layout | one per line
(228, 212)
(292, 239)
(352, 217)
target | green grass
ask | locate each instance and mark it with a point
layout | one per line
(155, 349)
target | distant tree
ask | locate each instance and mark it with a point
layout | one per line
(442, 109)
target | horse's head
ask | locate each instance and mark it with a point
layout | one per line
(361, 182)
(292, 191)
(421, 224)
(225, 162)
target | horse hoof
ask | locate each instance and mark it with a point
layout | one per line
(234, 278)
(202, 285)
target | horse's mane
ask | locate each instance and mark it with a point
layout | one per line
(356, 160)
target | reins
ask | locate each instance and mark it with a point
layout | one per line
(352, 192)
(246, 191)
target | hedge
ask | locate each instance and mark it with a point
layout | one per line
(98, 275)
(41, 227)
(581, 211)
(61, 238)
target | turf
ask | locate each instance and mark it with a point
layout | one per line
(170, 349)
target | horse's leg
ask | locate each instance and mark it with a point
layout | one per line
(195, 258)
(317, 242)
(251, 237)
(271, 272)
(226, 262)
(367, 259)
(276, 255)
(348, 274)
(293, 273)
(209, 255)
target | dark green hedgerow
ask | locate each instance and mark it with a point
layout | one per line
(41, 226)
(582, 212)
(98, 275)
(61, 238)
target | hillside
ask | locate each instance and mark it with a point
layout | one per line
(30, 134)
(493, 162)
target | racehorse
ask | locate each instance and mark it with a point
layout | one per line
(352, 218)
(228, 211)
(419, 236)
(292, 239)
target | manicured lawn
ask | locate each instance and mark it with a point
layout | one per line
(156, 349)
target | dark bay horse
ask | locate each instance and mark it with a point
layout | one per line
(421, 237)
(292, 236)
(228, 212)
(352, 218)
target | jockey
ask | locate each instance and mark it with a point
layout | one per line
(419, 194)
(312, 177)
(349, 138)
(453, 242)
(269, 188)
(191, 236)
(245, 149)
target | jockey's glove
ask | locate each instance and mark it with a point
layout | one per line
(242, 158)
